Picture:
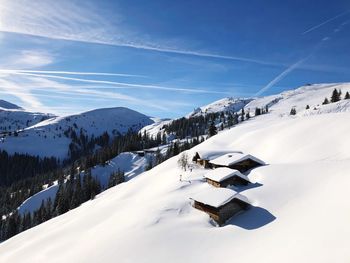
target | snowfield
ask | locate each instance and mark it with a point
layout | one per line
(300, 201)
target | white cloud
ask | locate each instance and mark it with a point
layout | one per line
(70, 73)
(34, 89)
(81, 21)
(30, 59)
(120, 85)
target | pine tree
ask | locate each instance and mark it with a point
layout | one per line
(326, 101)
(242, 114)
(307, 107)
(257, 111)
(293, 111)
(212, 130)
(335, 96)
(347, 96)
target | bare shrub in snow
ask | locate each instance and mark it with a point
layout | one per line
(183, 161)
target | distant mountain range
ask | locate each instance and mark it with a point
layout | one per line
(32, 133)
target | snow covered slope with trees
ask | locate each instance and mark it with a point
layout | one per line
(300, 210)
(312, 96)
(14, 120)
(226, 104)
(130, 164)
(53, 137)
(5, 105)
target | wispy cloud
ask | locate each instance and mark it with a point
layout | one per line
(30, 90)
(15, 89)
(81, 73)
(70, 20)
(325, 22)
(28, 59)
(121, 85)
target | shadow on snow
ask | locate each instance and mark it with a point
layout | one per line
(255, 217)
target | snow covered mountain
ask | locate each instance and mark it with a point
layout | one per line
(226, 104)
(222, 105)
(14, 120)
(300, 209)
(57, 131)
(311, 95)
(5, 105)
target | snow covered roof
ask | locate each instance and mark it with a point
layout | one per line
(217, 197)
(223, 173)
(235, 157)
(210, 155)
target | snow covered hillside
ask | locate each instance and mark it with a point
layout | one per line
(5, 105)
(300, 210)
(223, 105)
(226, 104)
(129, 163)
(312, 95)
(56, 132)
(14, 120)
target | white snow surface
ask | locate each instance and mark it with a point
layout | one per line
(232, 158)
(33, 203)
(129, 163)
(300, 210)
(217, 197)
(222, 173)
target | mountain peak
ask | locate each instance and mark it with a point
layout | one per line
(9, 106)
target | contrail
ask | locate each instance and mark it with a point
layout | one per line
(280, 76)
(70, 73)
(151, 48)
(118, 84)
(325, 22)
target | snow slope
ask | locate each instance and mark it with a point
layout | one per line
(312, 95)
(33, 203)
(130, 163)
(300, 203)
(35, 139)
(225, 104)
(5, 105)
(14, 120)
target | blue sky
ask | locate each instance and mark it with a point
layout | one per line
(164, 58)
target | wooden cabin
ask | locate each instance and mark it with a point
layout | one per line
(223, 177)
(196, 157)
(238, 161)
(220, 203)
(198, 160)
